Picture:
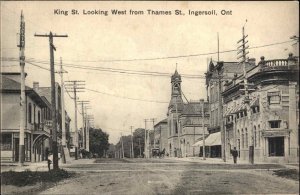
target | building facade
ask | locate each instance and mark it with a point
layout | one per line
(161, 135)
(37, 131)
(217, 76)
(268, 122)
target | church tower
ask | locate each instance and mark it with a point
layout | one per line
(176, 92)
(175, 108)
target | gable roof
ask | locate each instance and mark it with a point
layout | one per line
(193, 108)
(11, 85)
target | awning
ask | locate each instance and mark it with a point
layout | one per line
(213, 139)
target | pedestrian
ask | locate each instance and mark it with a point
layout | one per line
(49, 163)
(234, 154)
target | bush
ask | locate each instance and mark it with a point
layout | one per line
(28, 177)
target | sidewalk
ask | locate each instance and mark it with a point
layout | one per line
(229, 161)
(39, 166)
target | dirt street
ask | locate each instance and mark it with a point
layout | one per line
(157, 176)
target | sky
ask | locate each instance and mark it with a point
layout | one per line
(156, 43)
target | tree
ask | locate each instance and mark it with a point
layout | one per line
(98, 141)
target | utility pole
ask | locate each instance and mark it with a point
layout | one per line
(90, 118)
(132, 152)
(53, 103)
(203, 129)
(75, 87)
(153, 120)
(145, 147)
(63, 117)
(83, 122)
(22, 97)
(177, 126)
(140, 146)
(122, 146)
(242, 51)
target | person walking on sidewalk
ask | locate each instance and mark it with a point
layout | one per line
(234, 154)
(49, 160)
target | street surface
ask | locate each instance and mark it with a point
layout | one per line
(171, 176)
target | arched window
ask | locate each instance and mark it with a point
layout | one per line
(39, 117)
(259, 134)
(242, 136)
(255, 134)
(246, 138)
(29, 113)
(176, 127)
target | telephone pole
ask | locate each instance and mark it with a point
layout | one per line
(145, 147)
(132, 152)
(153, 120)
(83, 122)
(90, 118)
(75, 86)
(53, 102)
(22, 97)
(242, 51)
(203, 129)
(122, 146)
(63, 117)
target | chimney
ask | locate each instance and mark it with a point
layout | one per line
(36, 86)
(252, 61)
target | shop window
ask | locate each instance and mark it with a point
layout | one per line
(274, 124)
(6, 142)
(276, 146)
(274, 98)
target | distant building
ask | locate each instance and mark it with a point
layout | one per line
(161, 135)
(269, 123)
(45, 92)
(184, 122)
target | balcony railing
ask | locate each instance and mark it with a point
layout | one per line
(279, 64)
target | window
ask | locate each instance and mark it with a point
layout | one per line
(274, 97)
(276, 146)
(39, 117)
(176, 127)
(246, 138)
(242, 136)
(170, 128)
(255, 134)
(258, 127)
(29, 113)
(6, 142)
(274, 124)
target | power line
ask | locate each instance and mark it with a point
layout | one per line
(144, 100)
(121, 71)
(179, 56)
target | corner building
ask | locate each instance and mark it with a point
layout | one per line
(269, 121)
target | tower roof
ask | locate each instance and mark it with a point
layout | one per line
(176, 76)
